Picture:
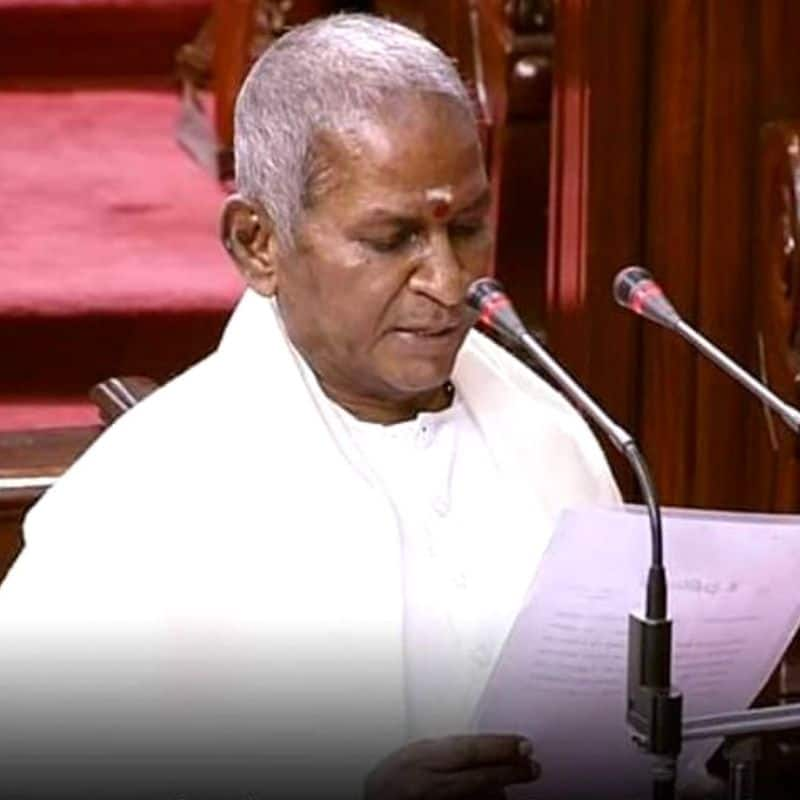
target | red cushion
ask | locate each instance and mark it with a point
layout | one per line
(103, 212)
(32, 413)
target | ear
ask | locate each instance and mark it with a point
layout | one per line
(248, 235)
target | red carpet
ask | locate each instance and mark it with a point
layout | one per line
(109, 259)
(104, 210)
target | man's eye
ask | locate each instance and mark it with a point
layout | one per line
(389, 244)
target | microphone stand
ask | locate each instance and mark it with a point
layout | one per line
(635, 289)
(789, 414)
(654, 706)
(743, 755)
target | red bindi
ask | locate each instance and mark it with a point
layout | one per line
(440, 208)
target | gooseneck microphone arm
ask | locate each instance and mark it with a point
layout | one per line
(790, 415)
(654, 708)
(656, 606)
(635, 289)
(487, 297)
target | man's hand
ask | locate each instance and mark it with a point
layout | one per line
(452, 768)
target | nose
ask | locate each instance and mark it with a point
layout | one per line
(439, 274)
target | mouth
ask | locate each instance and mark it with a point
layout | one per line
(440, 332)
(434, 341)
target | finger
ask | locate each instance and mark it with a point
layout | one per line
(468, 752)
(484, 782)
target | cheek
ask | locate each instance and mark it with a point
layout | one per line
(352, 300)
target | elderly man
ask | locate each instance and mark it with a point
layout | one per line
(306, 551)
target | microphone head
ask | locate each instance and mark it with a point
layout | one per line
(635, 289)
(486, 296)
(626, 281)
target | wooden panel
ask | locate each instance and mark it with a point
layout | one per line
(673, 209)
(779, 60)
(713, 73)
(233, 30)
(521, 182)
(516, 68)
(724, 310)
(42, 452)
(596, 205)
(773, 463)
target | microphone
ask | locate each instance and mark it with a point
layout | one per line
(487, 296)
(654, 708)
(497, 314)
(635, 289)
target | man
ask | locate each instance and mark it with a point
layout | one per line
(306, 551)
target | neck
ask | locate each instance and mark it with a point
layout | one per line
(387, 412)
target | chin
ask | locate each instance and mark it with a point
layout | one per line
(412, 369)
(418, 381)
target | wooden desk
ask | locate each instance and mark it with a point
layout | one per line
(30, 461)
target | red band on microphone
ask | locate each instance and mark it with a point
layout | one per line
(644, 292)
(491, 305)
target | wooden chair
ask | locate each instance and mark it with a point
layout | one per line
(237, 32)
(31, 461)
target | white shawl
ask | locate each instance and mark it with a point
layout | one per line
(222, 562)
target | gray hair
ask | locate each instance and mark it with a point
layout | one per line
(324, 75)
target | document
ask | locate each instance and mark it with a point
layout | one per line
(561, 677)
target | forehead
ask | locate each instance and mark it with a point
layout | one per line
(414, 152)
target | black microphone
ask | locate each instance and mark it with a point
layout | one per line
(497, 314)
(635, 289)
(654, 708)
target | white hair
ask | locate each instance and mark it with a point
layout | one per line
(324, 75)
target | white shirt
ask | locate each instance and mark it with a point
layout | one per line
(462, 587)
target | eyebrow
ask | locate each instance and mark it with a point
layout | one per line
(380, 215)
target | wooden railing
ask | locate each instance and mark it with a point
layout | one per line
(31, 461)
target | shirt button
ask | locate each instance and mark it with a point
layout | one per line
(425, 434)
